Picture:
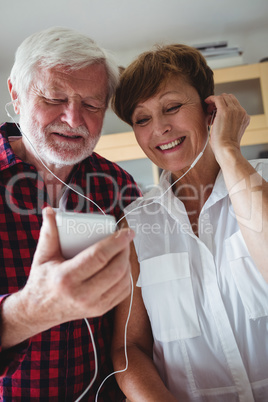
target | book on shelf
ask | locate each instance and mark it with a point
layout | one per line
(219, 55)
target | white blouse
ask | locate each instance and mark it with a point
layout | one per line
(206, 300)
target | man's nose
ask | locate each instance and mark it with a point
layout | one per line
(73, 115)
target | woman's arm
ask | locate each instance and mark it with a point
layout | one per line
(141, 381)
(247, 189)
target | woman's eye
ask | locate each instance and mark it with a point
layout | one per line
(174, 108)
(141, 122)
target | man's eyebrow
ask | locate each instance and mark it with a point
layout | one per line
(97, 97)
(41, 90)
(59, 91)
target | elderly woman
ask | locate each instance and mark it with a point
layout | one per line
(198, 329)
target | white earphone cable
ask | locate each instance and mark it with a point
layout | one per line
(132, 286)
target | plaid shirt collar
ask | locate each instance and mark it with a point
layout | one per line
(7, 156)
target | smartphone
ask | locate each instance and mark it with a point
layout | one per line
(78, 231)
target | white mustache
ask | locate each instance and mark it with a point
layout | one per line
(61, 128)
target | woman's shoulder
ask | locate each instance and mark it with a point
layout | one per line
(261, 166)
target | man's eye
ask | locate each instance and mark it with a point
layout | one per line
(91, 107)
(54, 101)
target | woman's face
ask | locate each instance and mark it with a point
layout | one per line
(171, 126)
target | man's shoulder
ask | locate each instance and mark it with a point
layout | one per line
(107, 176)
(7, 157)
(9, 130)
(98, 163)
(98, 160)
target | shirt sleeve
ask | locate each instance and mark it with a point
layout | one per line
(10, 359)
(261, 166)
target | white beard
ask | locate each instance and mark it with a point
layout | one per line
(54, 152)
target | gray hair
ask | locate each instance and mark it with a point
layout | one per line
(59, 46)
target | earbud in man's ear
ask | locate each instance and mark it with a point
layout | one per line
(13, 103)
(6, 106)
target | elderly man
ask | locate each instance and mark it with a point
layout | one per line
(60, 86)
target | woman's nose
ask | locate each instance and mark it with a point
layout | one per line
(161, 125)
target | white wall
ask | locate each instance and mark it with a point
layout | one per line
(253, 44)
(5, 97)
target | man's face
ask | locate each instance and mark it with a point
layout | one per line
(62, 113)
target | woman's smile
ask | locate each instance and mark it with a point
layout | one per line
(171, 145)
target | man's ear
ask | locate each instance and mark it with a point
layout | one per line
(14, 97)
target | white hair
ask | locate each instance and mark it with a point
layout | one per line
(59, 46)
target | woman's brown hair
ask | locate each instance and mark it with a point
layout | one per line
(144, 76)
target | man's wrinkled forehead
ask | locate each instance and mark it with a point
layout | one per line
(89, 82)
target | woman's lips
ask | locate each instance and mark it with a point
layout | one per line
(171, 144)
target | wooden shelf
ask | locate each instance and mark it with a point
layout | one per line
(120, 147)
(257, 131)
(123, 146)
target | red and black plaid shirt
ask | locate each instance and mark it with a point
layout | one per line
(58, 364)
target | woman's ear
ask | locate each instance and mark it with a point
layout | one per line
(210, 120)
(14, 97)
(211, 117)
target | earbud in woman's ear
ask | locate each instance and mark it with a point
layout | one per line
(213, 115)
